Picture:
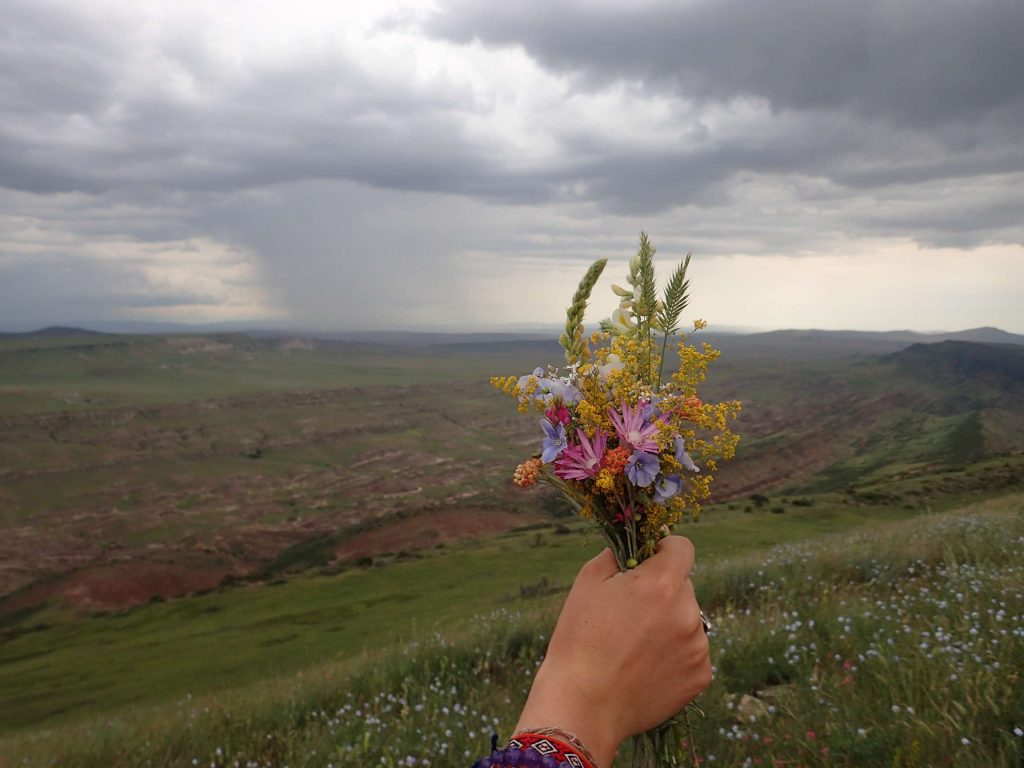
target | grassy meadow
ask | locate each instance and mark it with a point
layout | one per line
(897, 643)
(341, 574)
(57, 666)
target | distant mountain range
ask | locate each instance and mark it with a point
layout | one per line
(984, 334)
(783, 345)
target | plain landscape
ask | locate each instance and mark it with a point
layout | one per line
(267, 549)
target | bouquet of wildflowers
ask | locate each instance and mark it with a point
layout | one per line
(630, 445)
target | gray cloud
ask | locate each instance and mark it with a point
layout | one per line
(344, 183)
(869, 95)
(78, 117)
(914, 61)
(77, 291)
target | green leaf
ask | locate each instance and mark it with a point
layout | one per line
(676, 298)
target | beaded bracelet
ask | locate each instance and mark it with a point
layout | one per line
(538, 749)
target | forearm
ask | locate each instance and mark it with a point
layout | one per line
(563, 704)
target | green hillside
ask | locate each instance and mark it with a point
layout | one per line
(265, 524)
(897, 642)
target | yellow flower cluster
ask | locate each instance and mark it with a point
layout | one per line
(605, 481)
(629, 487)
(524, 394)
(624, 369)
(591, 418)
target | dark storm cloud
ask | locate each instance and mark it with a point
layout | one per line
(867, 94)
(777, 128)
(873, 96)
(913, 61)
(74, 116)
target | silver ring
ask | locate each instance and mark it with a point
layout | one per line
(704, 621)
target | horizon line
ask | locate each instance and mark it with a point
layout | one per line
(131, 327)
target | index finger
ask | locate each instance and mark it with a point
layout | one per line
(600, 568)
(675, 553)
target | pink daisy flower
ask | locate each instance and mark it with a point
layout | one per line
(633, 430)
(582, 461)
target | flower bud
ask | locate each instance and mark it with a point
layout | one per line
(623, 292)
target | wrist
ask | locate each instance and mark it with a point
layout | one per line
(559, 702)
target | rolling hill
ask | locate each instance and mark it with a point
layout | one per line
(134, 467)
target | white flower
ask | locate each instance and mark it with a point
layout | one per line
(614, 364)
(622, 322)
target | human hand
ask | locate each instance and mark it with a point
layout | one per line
(628, 652)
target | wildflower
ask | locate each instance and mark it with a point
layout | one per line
(554, 390)
(537, 386)
(527, 385)
(526, 473)
(690, 409)
(642, 468)
(571, 395)
(625, 515)
(633, 430)
(666, 488)
(605, 481)
(622, 322)
(582, 461)
(683, 457)
(614, 363)
(554, 441)
(615, 460)
(588, 416)
(651, 411)
(559, 415)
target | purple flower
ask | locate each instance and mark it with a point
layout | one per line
(554, 441)
(579, 462)
(571, 396)
(651, 410)
(642, 468)
(666, 488)
(550, 389)
(683, 457)
(538, 373)
(633, 430)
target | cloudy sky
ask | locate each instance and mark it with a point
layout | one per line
(830, 164)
